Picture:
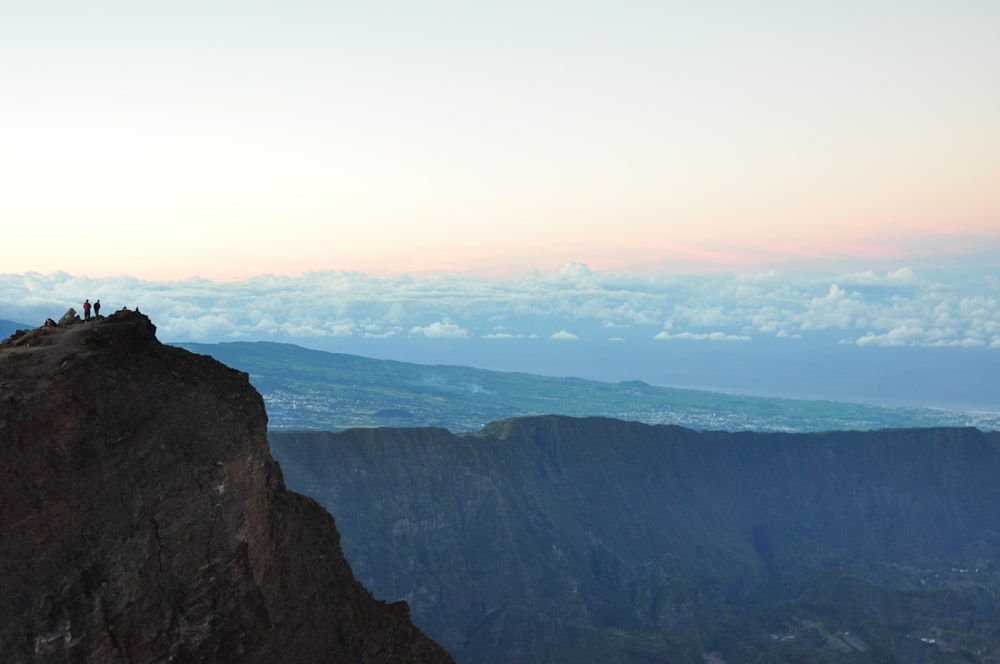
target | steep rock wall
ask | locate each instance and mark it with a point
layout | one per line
(143, 519)
(598, 540)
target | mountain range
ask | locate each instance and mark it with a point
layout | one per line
(311, 389)
(8, 327)
(146, 518)
(597, 540)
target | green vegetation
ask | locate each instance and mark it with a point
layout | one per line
(308, 389)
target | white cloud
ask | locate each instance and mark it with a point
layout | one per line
(380, 335)
(903, 276)
(896, 307)
(902, 335)
(703, 316)
(837, 309)
(573, 272)
(302, 331)
(959, 343)
(441, 330)
(702, 336)
(563, 334)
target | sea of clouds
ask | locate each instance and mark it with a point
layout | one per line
(725, 331)
(893, 308)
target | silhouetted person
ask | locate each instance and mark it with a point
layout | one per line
(86, 310)
(97, 308)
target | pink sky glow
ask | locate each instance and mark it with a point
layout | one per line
(171, 141)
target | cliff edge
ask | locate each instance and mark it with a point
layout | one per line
(144, 520)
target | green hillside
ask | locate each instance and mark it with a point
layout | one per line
(309, 389)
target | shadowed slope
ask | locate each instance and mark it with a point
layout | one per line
(144, 520)
(597, 540)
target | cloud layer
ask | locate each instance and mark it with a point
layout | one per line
(895, 308)
(899, 337)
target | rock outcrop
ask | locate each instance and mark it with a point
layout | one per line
(142, 518)
(598, 540)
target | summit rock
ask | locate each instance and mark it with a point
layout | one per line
(144, 520)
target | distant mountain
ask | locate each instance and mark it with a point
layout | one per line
(552, 539)
(144, 520)
(9, 327)
(310, 389)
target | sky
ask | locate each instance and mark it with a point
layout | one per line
(700, 193)
(224, 140)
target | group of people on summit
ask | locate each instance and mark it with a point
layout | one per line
(71, 316)
(87, 307)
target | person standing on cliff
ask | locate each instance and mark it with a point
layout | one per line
(97, 308)
(86, 310)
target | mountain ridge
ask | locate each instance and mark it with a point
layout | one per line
(144, 518)
(597, 540)
(312, 389)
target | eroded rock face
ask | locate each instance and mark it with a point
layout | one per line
(555, 539)
(142, 518)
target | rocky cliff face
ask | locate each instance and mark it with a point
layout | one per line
(597, 540)
(142, 518)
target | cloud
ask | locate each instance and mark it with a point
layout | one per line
(899, 336)
(701, 336)
(898, 307)
(573, 272)
(500, 332)
(441, 330)
(903, 276)
(563, 334)
(703, 316)
(960, 343)
(837, 309)
(380, 335)
(505, 335)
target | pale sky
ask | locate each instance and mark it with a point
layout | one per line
(166, 140)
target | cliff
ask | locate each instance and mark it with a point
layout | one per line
(144, 520)
(599, 540)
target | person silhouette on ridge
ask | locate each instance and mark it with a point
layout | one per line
(86, 310)
(97, 308)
